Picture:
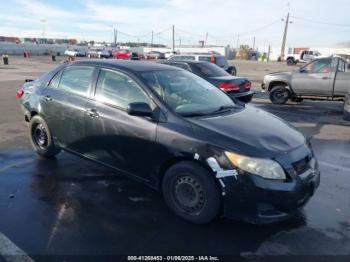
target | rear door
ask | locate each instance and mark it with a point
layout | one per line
(63, 104)
(316, 78)
(342, 80)
(114, 137)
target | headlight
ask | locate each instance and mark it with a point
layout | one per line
(265, 168)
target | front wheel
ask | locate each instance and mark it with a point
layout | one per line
(191, 193)
(41, 138)
(279, 95)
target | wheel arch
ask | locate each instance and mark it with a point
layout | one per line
(175, 160)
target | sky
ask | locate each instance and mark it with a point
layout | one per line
(315, 23)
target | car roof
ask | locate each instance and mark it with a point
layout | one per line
(135, 66)
(188, 61)
(198, 54)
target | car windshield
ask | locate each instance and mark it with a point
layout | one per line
(186, 93)
(210, 70)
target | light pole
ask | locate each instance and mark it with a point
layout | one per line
(43, 21)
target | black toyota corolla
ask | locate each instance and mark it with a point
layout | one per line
(175, 132)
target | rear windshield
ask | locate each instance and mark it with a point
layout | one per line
(210, 70)
(220, 61)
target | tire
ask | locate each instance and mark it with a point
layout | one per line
(246, 99)
(290, 61)
(279, 95)
(41, 138)
(232, 71)
(191, 193)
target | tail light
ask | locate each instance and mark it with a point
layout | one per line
(248, 85)
(228, 87)
(212, 60)
(19, 93)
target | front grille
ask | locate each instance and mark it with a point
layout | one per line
(302, 165)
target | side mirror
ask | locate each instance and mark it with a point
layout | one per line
(139, 109)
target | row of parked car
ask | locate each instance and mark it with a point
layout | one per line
(119, 54)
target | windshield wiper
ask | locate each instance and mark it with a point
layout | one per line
(223, 109)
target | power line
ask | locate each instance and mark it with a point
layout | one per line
(319, 22)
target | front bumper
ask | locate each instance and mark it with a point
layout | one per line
(257, 200)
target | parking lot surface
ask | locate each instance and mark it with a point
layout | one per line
(69, 206)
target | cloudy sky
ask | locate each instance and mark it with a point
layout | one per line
(315, 23)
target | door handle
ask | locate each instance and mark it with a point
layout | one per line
(325, 78)
(92, 113)
(47, 98)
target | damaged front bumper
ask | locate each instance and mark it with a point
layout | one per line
(258, 200)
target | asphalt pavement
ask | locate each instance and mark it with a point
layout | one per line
(69, 206)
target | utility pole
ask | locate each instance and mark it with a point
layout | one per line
(152, 41)
(180, 41)
(254, 43)
(173, 38)
(284, 37)
(238, 41)
(115, 37)
(206, 39)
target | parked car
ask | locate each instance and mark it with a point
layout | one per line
(175, 132)
(303, 57)
(324, 78)
(235, 87)
(121, 54)
(169, 54)
(155, 55)
(99, 53)
(219, 60)
(75, 52)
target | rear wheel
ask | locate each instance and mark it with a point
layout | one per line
(41, 138)
(290, 61)
(279, 95)
(191, 192)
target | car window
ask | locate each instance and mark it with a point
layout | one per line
(76, 79)
(319, 66)
(220, 61)
(186, 93)
(341, 66)
(182, 57)
(55, 80)
(210, 70)
(181, 65)
(118, 90)
(204, 58)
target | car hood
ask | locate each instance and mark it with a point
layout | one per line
(249, 131)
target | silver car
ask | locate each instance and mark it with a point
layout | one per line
(324, 78)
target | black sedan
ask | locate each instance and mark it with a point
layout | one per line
(235, 87)
(175, 132)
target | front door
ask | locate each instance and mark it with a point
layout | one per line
(316, 78)
(114, 137)
(63, 105)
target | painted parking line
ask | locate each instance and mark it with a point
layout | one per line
(12, 253)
